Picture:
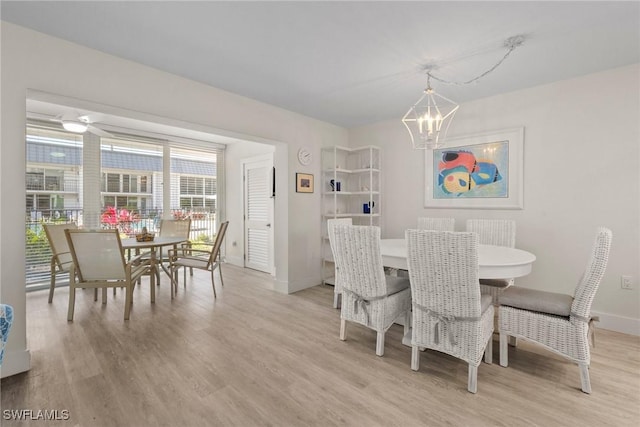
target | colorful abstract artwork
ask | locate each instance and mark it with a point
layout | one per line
(474, 171)
(478, 171)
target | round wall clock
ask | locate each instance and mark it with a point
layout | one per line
(304, 156)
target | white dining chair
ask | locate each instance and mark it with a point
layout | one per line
(369, 298)
(559, 322)
(497, 232)
(436, 224)
(337, 279)
(449, 313)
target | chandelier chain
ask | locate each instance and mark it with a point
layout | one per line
(512, 43)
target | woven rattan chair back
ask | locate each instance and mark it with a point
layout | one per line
(443, 270)
(356, 251)
(448, 311)
(436, 224)
(369, 298)
(498, 232)
(587, 287)
(338, 279)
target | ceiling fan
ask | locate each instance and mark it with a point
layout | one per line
(81, 123)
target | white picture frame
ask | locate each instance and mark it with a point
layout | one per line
(505, 157)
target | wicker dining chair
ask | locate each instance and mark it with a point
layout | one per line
(60, 256)
(369, 298)
(497, 232)
(337, 278)
(449, 313)
(559, 322)
(99, 263)
(202, 259)
(436, 224)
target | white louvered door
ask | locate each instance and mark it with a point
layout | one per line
(258, 210)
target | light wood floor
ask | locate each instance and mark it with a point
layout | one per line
(254, 357)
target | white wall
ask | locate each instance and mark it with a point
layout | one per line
(582, 163)
(91, 76)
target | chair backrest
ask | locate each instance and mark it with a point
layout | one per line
(175, 228)
(356, 252)
(58, 242)
(443, 271)
(497, 232)
(97, 254)
(215, 251)
(586, 290)
(339, 279)
(436, 224)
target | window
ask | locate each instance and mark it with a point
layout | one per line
(128, 177)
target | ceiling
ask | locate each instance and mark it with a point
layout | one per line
(349, 63)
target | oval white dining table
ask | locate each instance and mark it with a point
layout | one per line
(495, 262)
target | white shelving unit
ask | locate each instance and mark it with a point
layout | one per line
(357, 170)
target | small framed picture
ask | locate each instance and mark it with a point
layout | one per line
(304, 183)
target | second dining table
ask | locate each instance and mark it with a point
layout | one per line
(153, 245)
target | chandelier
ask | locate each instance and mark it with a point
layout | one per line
(428, 120)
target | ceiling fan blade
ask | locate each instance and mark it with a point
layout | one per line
(97, 131)
(91, 117)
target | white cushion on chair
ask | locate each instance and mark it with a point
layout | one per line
(539, 301)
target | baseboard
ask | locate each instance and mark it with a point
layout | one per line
(305, 283)
(611, 322)
(281, 286)
(15, 362)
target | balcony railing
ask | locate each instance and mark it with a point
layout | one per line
(38, 252)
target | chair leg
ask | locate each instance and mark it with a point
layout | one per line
(184, 283)
(415, 358)
(472, 384)
(488, 351)
(220, 272)
(584, 378)
(504, 350)
(95, 294)
(380, 344)
(128, 300)
(152, 283)
(343, 329)
(52, 286)
(104, 295)
(407, 322)
(336, 300)
(72, 302)
(213, 283)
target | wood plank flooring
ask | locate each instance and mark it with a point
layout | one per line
(254, 357)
